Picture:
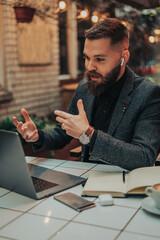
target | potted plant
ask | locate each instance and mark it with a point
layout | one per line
(25, 9)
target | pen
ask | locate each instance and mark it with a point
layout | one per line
(124, 176)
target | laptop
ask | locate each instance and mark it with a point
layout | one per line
(28, 179)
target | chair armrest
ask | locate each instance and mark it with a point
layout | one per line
(76, 152)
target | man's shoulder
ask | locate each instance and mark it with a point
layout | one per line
(146, 84)
(147, 90)
(141, 82)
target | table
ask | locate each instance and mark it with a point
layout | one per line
(27, 219)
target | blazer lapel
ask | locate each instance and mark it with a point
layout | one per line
(122, 102)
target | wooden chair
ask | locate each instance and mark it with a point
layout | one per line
(157, 163)
(76, 152)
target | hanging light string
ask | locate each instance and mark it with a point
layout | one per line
(82, 14)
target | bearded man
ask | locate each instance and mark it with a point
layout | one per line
(114, 113)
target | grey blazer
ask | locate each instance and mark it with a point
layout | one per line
(133, 136)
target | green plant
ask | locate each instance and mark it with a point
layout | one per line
(7, 124)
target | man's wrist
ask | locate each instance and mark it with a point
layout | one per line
(90, 132)
(39, 142)
(85, 137)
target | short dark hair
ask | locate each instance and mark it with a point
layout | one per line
(109, 28)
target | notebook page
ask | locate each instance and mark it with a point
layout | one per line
(103, 181)
(143, 177)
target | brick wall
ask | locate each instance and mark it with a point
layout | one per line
(34, 87)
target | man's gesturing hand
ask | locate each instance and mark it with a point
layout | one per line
(75, 125)
(28, 129)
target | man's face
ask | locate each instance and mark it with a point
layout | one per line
(102, 64)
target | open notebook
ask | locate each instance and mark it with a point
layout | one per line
(120, 184)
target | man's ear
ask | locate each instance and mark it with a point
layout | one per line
(126, 55)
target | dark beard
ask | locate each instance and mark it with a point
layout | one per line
(107, 81)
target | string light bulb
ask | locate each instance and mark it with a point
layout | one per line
(62, 5)
(157, 31)
(94, 18)
(151, 39)
(84, 13)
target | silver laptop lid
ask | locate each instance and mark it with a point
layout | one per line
(14, 173)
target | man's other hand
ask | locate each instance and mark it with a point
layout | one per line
(27, 129)
(75, 125)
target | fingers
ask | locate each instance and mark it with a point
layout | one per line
(23, 131)
(25, 115)
(67, 115)
(26, 129)
(80, 106)
(15, 122)
(62, 114)
(61, 120)
(63, 126)
(33, 137)
(63, 117)
(19, 125)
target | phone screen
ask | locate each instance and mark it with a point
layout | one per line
(74, 201)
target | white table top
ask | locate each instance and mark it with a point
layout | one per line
(27, 219)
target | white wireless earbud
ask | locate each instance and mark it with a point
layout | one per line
(122, 61)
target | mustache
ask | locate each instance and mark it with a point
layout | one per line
(93, 74)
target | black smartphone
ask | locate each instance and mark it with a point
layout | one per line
(74, 201)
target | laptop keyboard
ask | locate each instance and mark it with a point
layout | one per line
(41, 185)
